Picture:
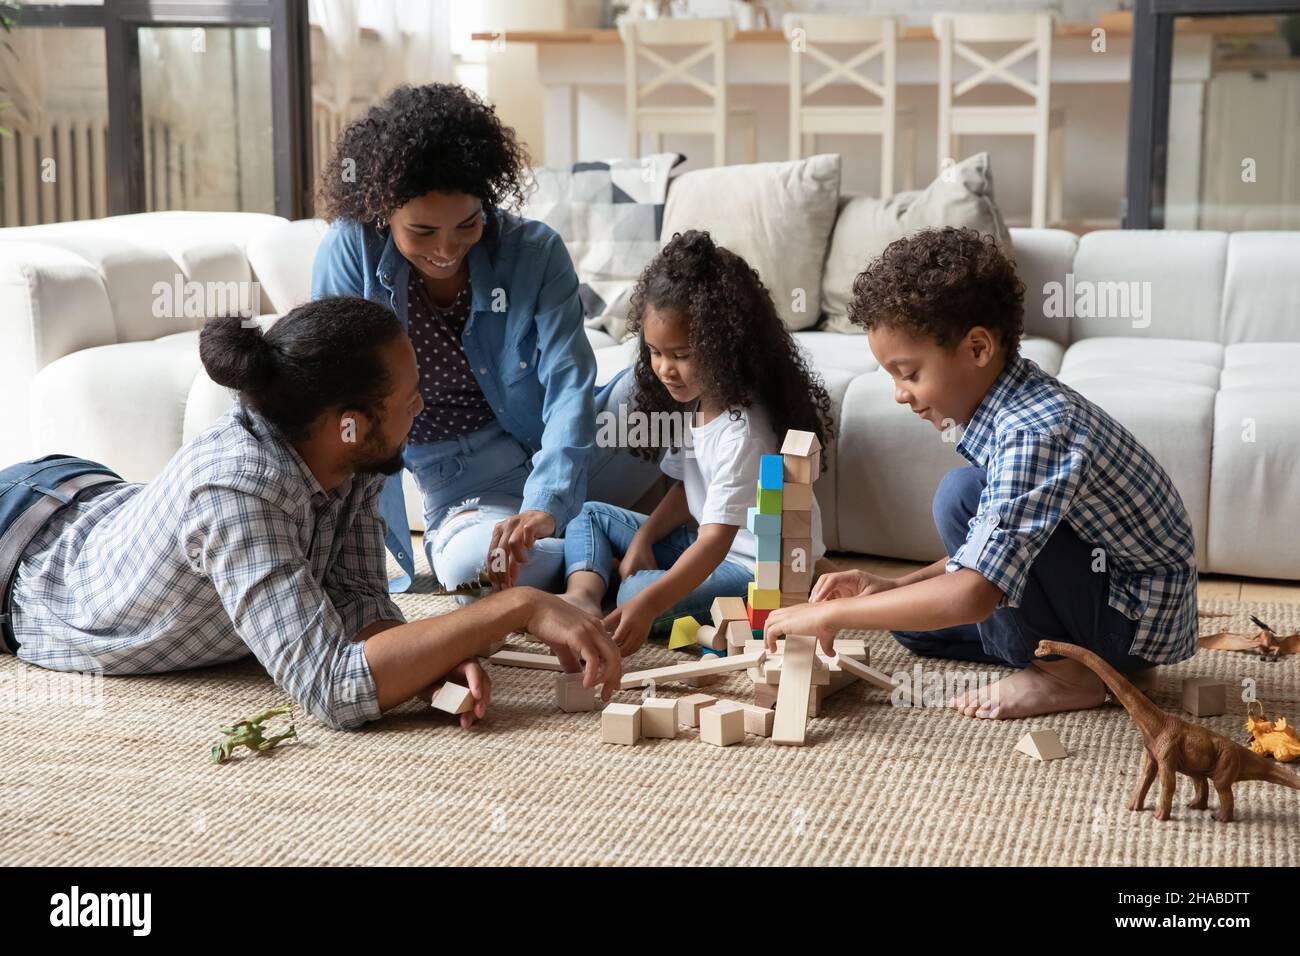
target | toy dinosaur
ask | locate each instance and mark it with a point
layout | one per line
(1174, 746)
(1267, 642)
(1276, 739)
(248, 733)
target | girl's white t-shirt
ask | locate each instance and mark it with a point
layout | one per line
(719, 468)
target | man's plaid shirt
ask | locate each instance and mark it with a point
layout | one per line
(234, 548)
(1051, 456)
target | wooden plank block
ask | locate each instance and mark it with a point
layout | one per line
(453, 698)
(790, 724)
(706, 668)
(544, 662)
(867, 673)
(726, 609)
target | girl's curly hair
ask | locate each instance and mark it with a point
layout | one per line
(740, 344)
(439, 137)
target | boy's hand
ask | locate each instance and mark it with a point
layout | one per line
(844, 584)
(578, 640)
(640, 557)
(630, 625)
(814, 619)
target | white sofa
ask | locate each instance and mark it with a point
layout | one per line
(1211, 385)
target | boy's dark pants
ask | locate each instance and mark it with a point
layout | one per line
(1064, 598)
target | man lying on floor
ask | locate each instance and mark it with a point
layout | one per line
(263, 535)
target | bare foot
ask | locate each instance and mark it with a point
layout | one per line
(582, 603)
(1044, 687)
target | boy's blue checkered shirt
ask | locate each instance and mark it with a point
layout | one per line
(1051, 456)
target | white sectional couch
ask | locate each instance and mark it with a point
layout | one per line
(1210, 382)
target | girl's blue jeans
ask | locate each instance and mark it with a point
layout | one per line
(601, 535)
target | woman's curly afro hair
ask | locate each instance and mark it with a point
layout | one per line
(738, 341)
(439, 137)
(941, 283)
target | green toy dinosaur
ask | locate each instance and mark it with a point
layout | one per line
(248, 733)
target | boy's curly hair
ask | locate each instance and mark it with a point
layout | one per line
(941, 283)
(742, 348)
(439, 137)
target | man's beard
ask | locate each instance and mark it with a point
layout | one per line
(373, 460)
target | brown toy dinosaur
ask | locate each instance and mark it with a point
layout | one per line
(1174, 746)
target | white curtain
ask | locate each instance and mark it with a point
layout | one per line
(340, 23)
(23, 81)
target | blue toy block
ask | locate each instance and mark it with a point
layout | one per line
(771, 474)
(763, 525)
(769, 548)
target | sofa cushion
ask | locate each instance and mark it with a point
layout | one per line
(1261, 293)
(280, 257)
(777, 216)
(1044, 257)
(962, 196)
(1165, 360)
(1140, 283)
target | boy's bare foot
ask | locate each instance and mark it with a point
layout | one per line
(1044, 687)
(582, 603)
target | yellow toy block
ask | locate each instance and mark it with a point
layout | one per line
(762, 599)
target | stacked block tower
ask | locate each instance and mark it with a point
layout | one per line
(781, 522)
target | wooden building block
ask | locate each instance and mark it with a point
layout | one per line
(769, 501)
(571, 697)
(796, 525)
(763, 526)
(453, 698)
(796, 564)
(767, 576)
(727, 609)
(544, 662)
(866, 673)
(688, 708)
(802, 469)
(765, 695)
(1205, 696)
(790, 724)
(821, 672)
(799, 444)
(797, 496)
(853, 647)
(708, 636)
(704, 680)
(738, 635)
(1042, 745)
(767, 547)
(684, 631)
(758, 720)
(757, 618)
(790, 600)
(722, 724)
(659, 717)
(770, 468)
(620, 723)
(706, 668)
(763, 599)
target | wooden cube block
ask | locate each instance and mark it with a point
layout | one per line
(453, 698)
(722, 724)
(708, 636)
(790, 600)
(796, 525)
(767, 576)
(797, 496)
(758, 720)
(738, 636)
(659, 717)
(620, 723)
(796, 564)
(801, 469)
(1205, 696)
(763, 599)
(763, 526)
(571, 697)
(727, 609)
(769, 500)
(767, 547)
(770, 469)
(688, 708)
(757, 618)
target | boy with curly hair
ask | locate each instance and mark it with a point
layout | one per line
(1063, 527)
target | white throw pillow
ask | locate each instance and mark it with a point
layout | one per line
(776, 216)
(961, 196)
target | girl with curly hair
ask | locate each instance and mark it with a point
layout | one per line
(419, 193)
(713, 350)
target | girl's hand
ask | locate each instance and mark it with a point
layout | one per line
(814, 619)
(844, 584)
(640, 557)
(512, 539)
(630, 625)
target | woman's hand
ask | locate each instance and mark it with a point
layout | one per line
(844, 584)
(512, 539)
(630, 625)
(468, 673)
(640, 557)
(579, 640)
(814, 619)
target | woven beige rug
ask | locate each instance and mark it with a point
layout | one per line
(116, 771)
